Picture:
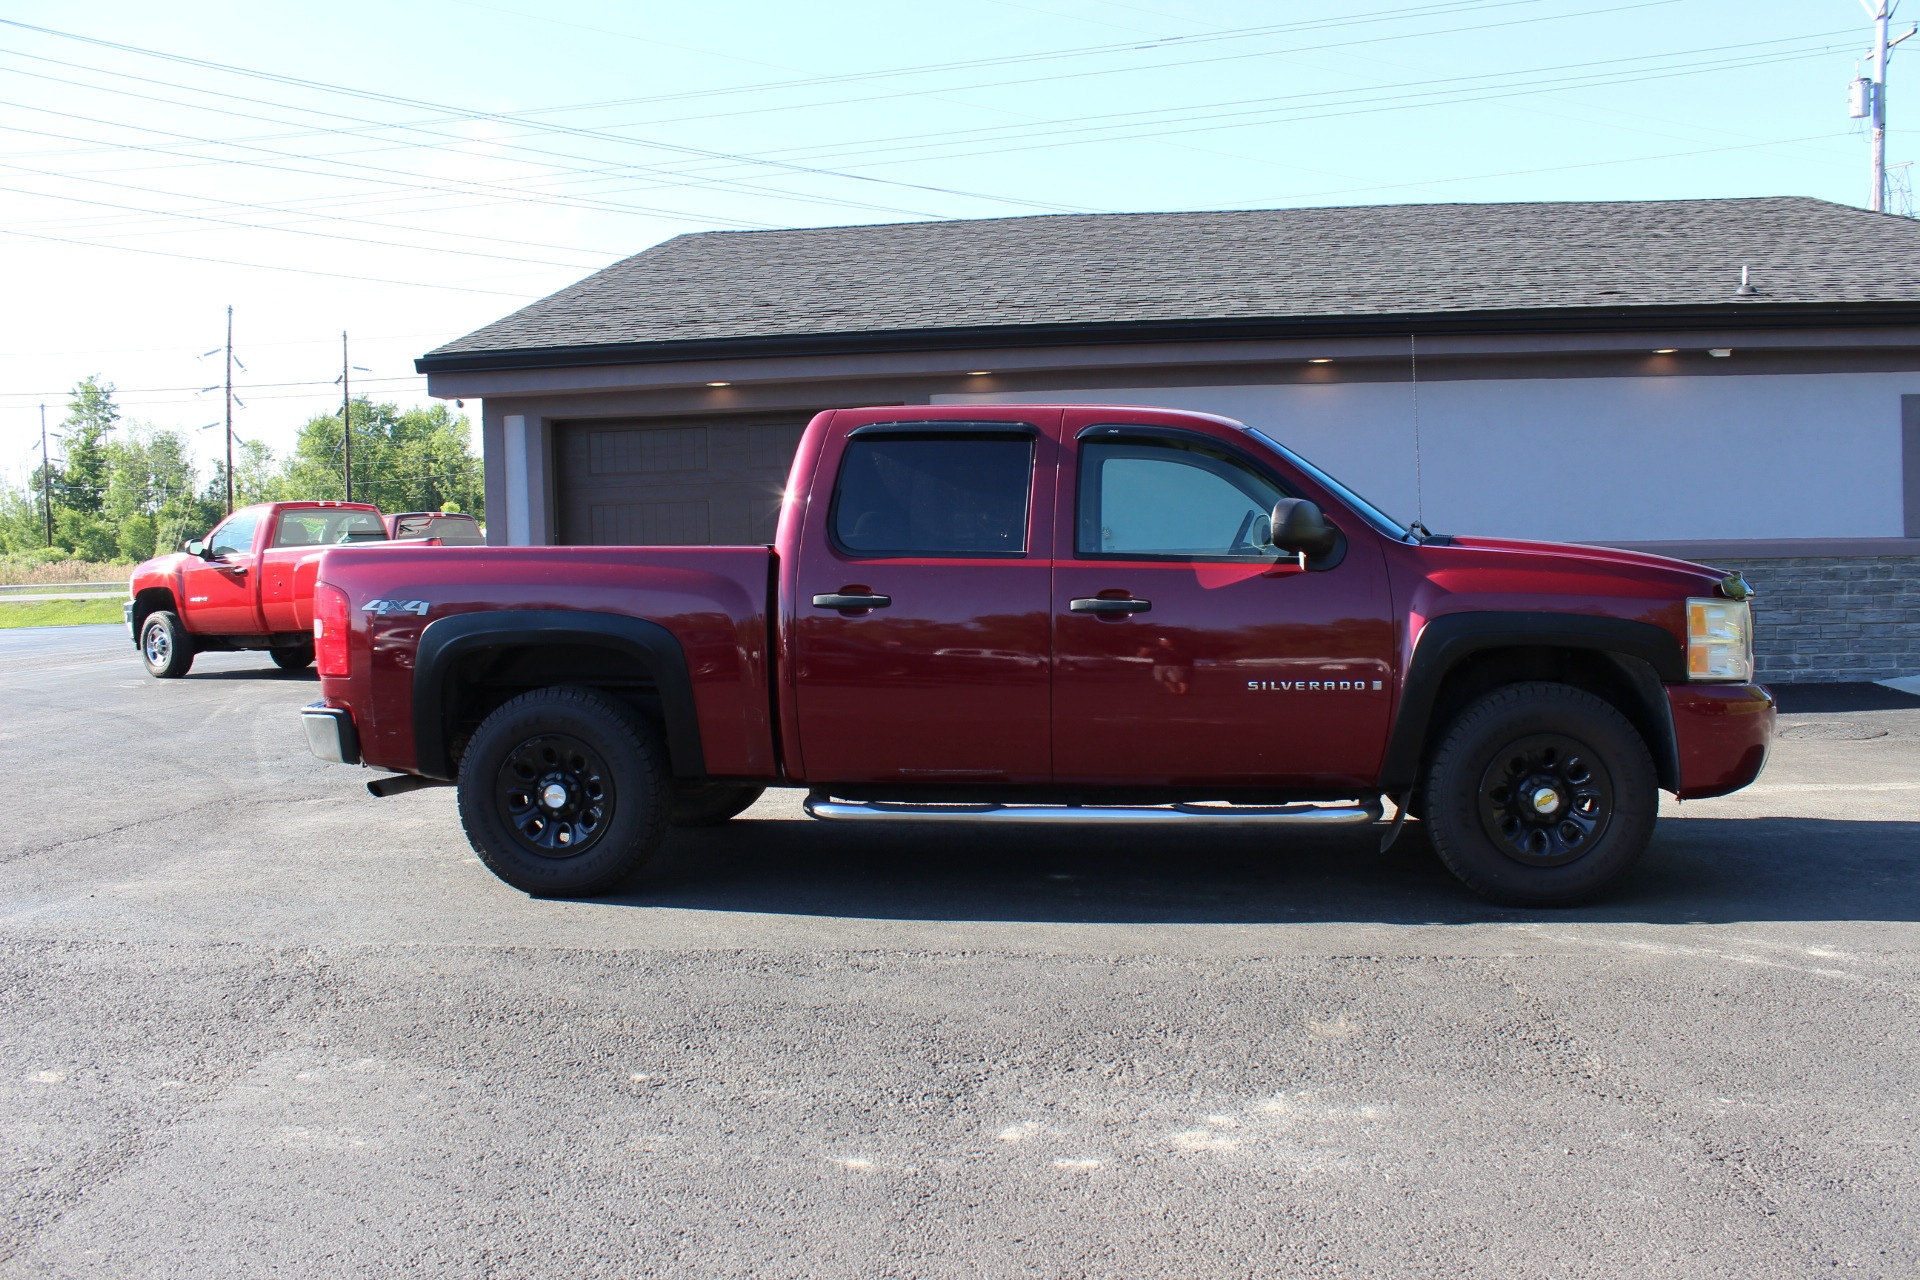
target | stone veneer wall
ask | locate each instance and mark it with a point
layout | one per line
(1833, 617)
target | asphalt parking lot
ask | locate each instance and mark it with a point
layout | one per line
(257, 1023)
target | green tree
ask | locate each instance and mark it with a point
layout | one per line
(416, 460)
(91, 415)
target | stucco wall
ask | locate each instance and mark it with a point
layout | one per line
(1590, 459)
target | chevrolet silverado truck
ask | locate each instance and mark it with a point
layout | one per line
(249, 583)
(992, 614)
(246, 585)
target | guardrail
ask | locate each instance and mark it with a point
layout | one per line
(33, 588)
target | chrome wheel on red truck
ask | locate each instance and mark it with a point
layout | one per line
(564, 792)
(165, 646)
(1540, 795)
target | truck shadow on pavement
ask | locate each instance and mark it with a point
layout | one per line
(1698, 870)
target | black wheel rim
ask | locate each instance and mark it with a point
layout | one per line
(1546, 800)
(556, 795)
(158, 646)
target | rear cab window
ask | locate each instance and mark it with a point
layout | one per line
(324, 527)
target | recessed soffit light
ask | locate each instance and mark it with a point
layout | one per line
(719, 384)
(1666, 351)
(1321, 360)
(979, 373)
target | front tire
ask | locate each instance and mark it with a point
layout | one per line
(564, 792)
(1540, 795)
(296, 659)
(166, 649)
(708, 804)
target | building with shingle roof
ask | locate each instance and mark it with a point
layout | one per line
(1736, 380)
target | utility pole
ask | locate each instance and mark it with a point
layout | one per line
(229, 410)
(346, 418)
(46, 476)
(1869, 97)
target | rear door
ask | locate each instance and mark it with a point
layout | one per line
(921, 643)
(1185, 651)
(223, 593)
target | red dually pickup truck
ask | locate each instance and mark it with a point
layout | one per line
(249, 584)
(999, 613)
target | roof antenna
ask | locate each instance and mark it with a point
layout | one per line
(1746, 289)
(1413, 378)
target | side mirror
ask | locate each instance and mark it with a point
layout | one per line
(1299, 525)
(195, 547)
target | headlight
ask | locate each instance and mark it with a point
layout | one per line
(1719, 639)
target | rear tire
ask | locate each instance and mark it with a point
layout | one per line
(166, 649)
(708, 804)
(293, 659)
(564, 792)
(1540, 795)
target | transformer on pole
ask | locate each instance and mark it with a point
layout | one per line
(1867, 95)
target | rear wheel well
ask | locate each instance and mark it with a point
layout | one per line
(481, 680)
(1628, 684)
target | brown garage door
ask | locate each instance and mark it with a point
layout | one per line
(712, 481)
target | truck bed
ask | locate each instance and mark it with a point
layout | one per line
(714, 600)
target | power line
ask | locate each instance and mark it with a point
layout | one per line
(238, 386)
(255, 226)
(258, 266)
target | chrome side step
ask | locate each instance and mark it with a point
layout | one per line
(1193, 815)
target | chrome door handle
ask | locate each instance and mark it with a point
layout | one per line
(1099, 604)
(835, 600)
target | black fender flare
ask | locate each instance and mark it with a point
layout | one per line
(654, 648)
(1451, 639)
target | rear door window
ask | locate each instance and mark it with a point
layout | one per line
(925, 494)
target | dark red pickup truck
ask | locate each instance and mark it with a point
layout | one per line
(998, 613)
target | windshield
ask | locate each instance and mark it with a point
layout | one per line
(1373, 515)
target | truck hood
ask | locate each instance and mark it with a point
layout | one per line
(158, 568)
(1699, 579)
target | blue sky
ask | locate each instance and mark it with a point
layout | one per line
(410, 171)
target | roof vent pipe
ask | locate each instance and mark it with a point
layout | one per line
(1746, 289)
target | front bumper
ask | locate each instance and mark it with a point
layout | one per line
(330, 733)
(126, 615)
(1722, 733)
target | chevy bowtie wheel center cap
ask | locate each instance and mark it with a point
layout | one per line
(553, 795)
(1545, 799)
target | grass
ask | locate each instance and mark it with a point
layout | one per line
(32, 570)
(58, 613)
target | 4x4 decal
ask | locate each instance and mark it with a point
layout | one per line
(381, 608)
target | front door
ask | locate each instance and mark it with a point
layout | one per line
(1186, 651)
(921, 642)
(222, 596)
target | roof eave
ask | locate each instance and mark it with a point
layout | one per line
(1728, 315)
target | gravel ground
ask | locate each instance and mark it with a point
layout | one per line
(259, 1024)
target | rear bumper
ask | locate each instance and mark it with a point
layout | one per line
(330, 733)
(1722, 733)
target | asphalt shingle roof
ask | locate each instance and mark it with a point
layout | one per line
(1131, 267)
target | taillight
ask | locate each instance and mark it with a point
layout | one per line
(330, 621)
